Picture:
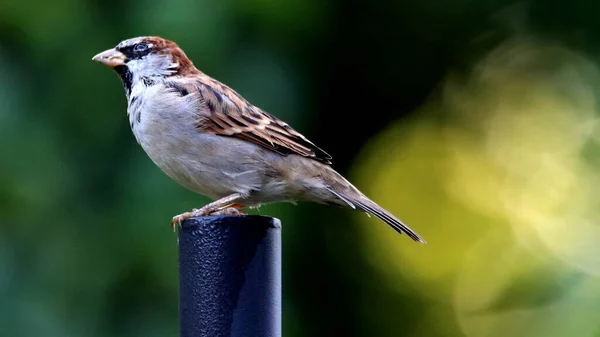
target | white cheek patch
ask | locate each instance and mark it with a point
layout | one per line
(152, 65)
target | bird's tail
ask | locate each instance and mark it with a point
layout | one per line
(357, 200)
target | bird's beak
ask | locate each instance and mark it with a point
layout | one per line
(110, 58)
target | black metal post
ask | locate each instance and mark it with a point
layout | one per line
(230, 277)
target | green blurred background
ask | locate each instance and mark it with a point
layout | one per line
(473, 121)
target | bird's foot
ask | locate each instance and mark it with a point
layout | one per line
(232, 209)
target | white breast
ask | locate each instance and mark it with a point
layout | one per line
(163, 122)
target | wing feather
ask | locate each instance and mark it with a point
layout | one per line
(224, 112)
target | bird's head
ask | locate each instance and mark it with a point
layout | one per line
(146, 57)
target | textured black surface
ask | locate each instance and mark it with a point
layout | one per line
(230, 277)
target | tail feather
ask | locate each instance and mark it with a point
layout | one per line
(365, 204)
(389, 219)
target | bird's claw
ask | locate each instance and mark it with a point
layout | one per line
(229, 211)
(234, 209)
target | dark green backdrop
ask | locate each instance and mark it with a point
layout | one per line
(473, 121)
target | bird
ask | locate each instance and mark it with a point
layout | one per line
(211, 140)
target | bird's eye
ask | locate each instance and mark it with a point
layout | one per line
(140, 48)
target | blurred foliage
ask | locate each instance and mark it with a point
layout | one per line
(475, 122)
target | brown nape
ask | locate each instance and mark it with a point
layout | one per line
(186, 67)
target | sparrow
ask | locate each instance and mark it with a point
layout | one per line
(210, 139)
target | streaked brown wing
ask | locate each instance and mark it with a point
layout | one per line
(227, 113)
